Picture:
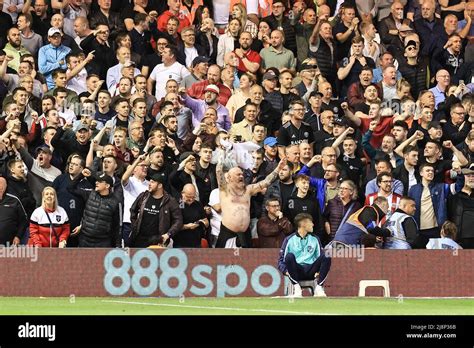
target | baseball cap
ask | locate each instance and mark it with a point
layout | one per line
(212, 88)
(280, 1)
(405, 27)
(411, 43)
(199, 59)
(270, 141)
(269, 75)
(315, 94)
(103, 177)
(81, 127)
(157, 177)
(434, 124)
(52, 31)
(185, 155)
(129, 63)
(44, 148)
(468, 170)
(340, 121)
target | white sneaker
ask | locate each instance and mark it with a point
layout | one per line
(297, 291)
(319, 291)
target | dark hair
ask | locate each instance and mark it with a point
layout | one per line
(57, 72)
(409, 148)
(173, 50)
(59, 90)
(138, 100)
(400, 123)
(301, 217)
(27, 16)
(381, 175)
(18, 89)
(302, 177)
(139, 17)
(272, 199)
(449, 229)
(426, 164)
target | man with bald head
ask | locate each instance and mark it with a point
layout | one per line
(81, 29)
(13, 217)
(213, 78)
(443, 79)
(195, 221)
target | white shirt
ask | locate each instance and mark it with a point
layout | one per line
(49, 174)
(114, 74)
(190, 54)
(130, 193)
(221, 11)
(78, 82)
(162, 74)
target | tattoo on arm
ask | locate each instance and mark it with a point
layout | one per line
(270, 178)
(220, 176)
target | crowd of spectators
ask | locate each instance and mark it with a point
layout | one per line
(114, 113)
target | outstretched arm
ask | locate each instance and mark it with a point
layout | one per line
(265, 183)
(220, 172)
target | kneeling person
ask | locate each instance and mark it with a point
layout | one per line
(302, 257)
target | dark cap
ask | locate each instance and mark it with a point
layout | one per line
(103, 177)
(185, 155)
(157, 177)
(315, 94)
(434, 124)
(269, 75)
(199, 59)
(340, 121)
(280, 1)
(44, 148)
(411, 43)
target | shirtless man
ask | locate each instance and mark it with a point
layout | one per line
(235, 204)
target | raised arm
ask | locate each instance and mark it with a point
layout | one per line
(80, 66)
(128, 173)
(350, 115)
(459, 155)
(335, 145)
(221, 182)
(418, 135)
(265, 183)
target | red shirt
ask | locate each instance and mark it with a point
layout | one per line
(383, 128)
(253, 57)
(163, 20)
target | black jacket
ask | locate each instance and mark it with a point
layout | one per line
(267, 116)
(201, 40)
(20, 189)
(115, 23)
(401, 173)
(102, 221)
(13, 219)
(461, 212)
(67, 144)
(105, 57)
(288, 30)
(170, 218)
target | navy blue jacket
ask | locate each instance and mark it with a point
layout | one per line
(439, 195)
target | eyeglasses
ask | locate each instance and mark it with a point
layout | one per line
(345, 189)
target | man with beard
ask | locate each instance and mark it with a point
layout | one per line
(235, 198)
(72, 204)
(461, 207)
(303, 31)
(199, 68)
(14, 48)
(198, 107)
(18, 185)
(77, 144)
(284, 187)
(281, 99)
(276, 55)
(197, 90)
(355, 92)
(249, 60)
(266, 114)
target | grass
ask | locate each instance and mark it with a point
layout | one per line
(233, 306)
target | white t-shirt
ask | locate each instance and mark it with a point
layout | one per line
(190, 54)
(130, 193)
(162, 74)
(221, 11)
(48, 174)
(216, 217)
(78, 82)
(411, 179)
(442, 243)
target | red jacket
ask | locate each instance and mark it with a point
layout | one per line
(42, 234)
(196, 91)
